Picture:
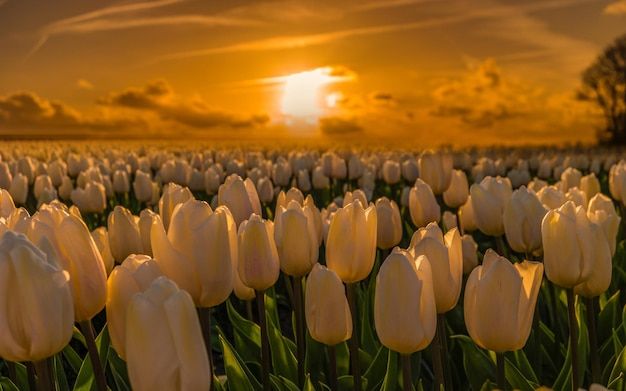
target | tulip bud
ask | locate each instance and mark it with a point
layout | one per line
(124, 235)
(19, 189)
(600, 278)
(142, 186)
(355, 167)
(617, 181)
(240, 197)
(121, 184)
(133, 276)
(577, 196)
(146, 219)
(351, 243)
(212, 180)
(358, 194)
(410, 170)
(489, 199)
(173, 195)
(522, 221)
(602, 212)
(296, 240)
(449, 220)
(423, 205)
(320, 181)
(101, 239)
(570, 178)
(304, 182)
(258, 257)
(436, 170)
(91, 199)
(42, 183)
(500, 300)
(5, 176)
(389, 223)
(551, 197)
(536, 185)
(164, 343)
(265, 190)
(391, 172)
(404, 304)
(567, 245)
(590, 185)
(458, 191)
(6, 203)
(470, 256)
(445, 255)
(65, 190)
(281, 172)
(326, 308)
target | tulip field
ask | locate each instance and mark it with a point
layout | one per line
(127, 266)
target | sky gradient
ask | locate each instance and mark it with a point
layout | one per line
(429, 72)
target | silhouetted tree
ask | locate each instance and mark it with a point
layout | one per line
(605, 83)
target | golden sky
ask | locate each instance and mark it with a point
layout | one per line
(427, 71)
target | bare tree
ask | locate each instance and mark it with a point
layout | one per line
(605, 83)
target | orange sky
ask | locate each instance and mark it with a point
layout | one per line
(427, 71)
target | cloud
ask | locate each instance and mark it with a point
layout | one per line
(84, 84)
(616, 8)
(339, 126)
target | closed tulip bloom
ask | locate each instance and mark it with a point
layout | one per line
(197, 250)
(212, 180)
(173, 195)
(242, 292)
(522, 221)
(19, 188)
(617, 181)
(389, 223)
(258, 265)
(600, 278)
(281, 172)
(358, 194)
(164, 344)
(351, 243)
(590, 185)
(265, 190)
(5, 176)
(296, 240)
(142, 186)
(489, 198)
(319, 179)
(65, 190)
(146, 219)
(410, 170)
(423, 205)
(326, 307)
(133, 276)
(470, 254)
(436, 170)
(121, 183)
(124, 235)
(445, 255)
(91, 199)
(37, 313)
(284, 198)
(391, 172)
(42, 183)
(577, 196)
(602, 212)
(467, 220)
(68, 239)
(458, 191)
(303, 180)
(500, 300)
(570, 178)
(101, 239)
(537, 184)
(240, 197)
(449, 220)
(551, 197)
(404, 304)
(6, 203)
(567, 245)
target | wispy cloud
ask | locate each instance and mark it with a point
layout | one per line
(283, 42)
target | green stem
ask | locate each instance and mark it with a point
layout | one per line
(435, 347)
(300, 341)
(87, 329)
(573, 336)
(44, 376)
(249, 310)
(407, 382)
(332, 367)
(354, 341)
(593, 340)
(500, 379)
(265, 345)
(204, 315)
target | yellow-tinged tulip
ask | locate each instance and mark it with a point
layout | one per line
(198, 251)
(404, 304)
(449, 220)
(445, 255)
(173, 195)
(6, 203)
(240, 197)
(522, 221)
(19, 189)
(551, 197)
(296, 240)
(423, 205)
(164, 344)
(351, 242)
(70, 242)
(101, 238)
(124, 235)
(258, 265)
(617, 181)
(600, 278)
(91, 199)
(567, 245)
(36, 312)
(389, 226)
(146, 219)
(133, 276)
(458, 191)
(489, 199)
(500, 300)
(466, 216)
(436, 170)
(590, 185)
(326, 307)
(470, 256)
(602, 211)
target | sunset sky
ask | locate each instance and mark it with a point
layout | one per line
(429, 72)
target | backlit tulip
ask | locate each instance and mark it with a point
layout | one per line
(602, 212)
(436, 170)
(142, 186)
(458, 191)
(423, 205)
(326, 307)
(522, 221)
(600, 278)
(449, 220)
(124, 235)
(296, 240)
(6, 203)
(42, 183)
(570, 178)
(91, 199)
(265, 190)
(489, 199)
(617, 181)
(358, 194)
(121, 184)
(351, 243)
(101, 239)
(240, 197)
(258, 264)
(404, 304)
(590, 185)
(567, 245)
(146, 219)
(164, 344)
(19, 189)
(445, 255)
(37, 313)
(551, 197)
(470, 256)
(391, 172)
(173, 195)
(389, 223)
(500, 300)
(467, 220)
(133, 276)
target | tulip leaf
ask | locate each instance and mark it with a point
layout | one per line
(376, 370)
(72, 358)
(346, 383)
(390, 382)
(247, 334)
(343, 358)
(85, 381)
(369, 342)
(308, 384)
(119, 370)
(314, 359)
(283, 360)
(239, 378)
(523, 365)
(564, 379)
(7, 385)
(477, 364)
(271, 305)
(282, 384)
(609, 318)
(60, 378)
(515, 378)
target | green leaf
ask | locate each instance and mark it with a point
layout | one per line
(7, 385)
(346, 383)
(72, 358)
(609, 318)
(390, 383)
(308, 384)
(85, 381)
(283, 361)
(515, 378)
(477, 364)
(239, 378)
(119, 370)
(376, 370)
(283, 384)
(59, 373)
(247, 334)
(523, 365)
